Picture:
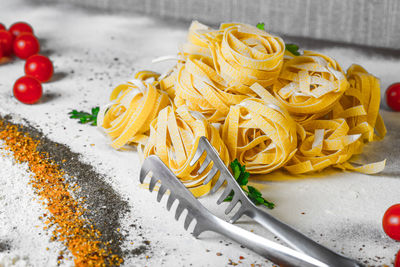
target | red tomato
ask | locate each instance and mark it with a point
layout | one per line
(26, 45)
(20, 27)
(397, 260)
(393, 96)
(1, 53)
(40, 67)
(391, 222)
(6, 42)
(2, 27)
(28, 90)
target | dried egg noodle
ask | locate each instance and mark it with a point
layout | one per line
(167, 83)
(134, 105)
(328, 143)
(360, 105)
(198, 40)
(245, 55)
(310, 84)
(254, 101)
(260, 134)
(323, 143)
(174, 137)
(354, 118)
(200, 87)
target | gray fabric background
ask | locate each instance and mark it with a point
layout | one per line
(363, 22)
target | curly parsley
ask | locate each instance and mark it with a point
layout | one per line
(242, 177)
(85, 117)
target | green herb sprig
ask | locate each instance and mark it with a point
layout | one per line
(85, 117)
(293, 48)
(261, 26)
(242, 177)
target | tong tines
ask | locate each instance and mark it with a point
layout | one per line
(305, 252)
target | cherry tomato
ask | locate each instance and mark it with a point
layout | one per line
(20, 27)
(26, 45)
(397, 260)
(28, 90)
(391, 222)
(393, 96)
(2, 27)
(40, 67)
(6, 42)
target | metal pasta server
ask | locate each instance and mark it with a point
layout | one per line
(305, 252)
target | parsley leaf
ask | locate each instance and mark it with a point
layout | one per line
(235, 166)
(85, 117)
(293, 48)
(261, 26)
(257, 198)
(242, 177)
(239, 172)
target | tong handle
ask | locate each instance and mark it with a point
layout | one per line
(273, 251)
(299, 241)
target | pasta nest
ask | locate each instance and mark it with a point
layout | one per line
(360, 105)
(126, 120)
(323, 143)
(260, 134)
(202, 89)
(245, 55)
(333, 139)
(174, 137)
(310, 85)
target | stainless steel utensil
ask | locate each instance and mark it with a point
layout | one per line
(293, 238)
(206, 221)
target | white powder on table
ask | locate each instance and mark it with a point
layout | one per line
(21, 232)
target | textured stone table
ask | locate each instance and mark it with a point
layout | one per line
(93, 53)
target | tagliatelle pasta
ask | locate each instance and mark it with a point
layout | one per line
(323, 143)
(328, 143)
(167, 83)
(310, 84)
(245, 55)
(334, 139)
(198, 40)
(260, 134)
(254, 101)
(134, 105)
(360, 105)
(202, 89)
(174, 137)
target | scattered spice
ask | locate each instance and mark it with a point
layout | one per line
(232, 263)
(4, 246)
(66, 218)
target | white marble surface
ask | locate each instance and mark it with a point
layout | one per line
(94, 52)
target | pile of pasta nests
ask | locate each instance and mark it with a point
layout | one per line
(254, 100)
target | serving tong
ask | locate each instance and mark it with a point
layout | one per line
(305, 252)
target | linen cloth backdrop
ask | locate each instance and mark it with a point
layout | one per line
(364, 22)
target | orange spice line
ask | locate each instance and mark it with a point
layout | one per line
(66, 213)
